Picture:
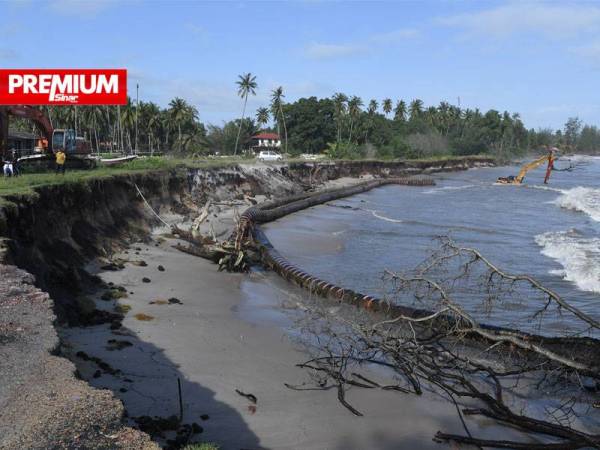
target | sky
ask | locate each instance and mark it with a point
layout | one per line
(540, 59)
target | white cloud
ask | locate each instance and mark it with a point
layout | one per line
(549, 19)
(330, 51)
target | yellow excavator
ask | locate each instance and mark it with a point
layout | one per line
(549, 158)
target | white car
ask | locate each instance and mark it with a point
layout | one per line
(268, 155)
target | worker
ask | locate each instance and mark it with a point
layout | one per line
(16, 166)
(60, 161)
(8, 167)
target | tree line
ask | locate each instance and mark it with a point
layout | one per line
(342, 126)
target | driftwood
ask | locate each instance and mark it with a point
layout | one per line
(482, 377)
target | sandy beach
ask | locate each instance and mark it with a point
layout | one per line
(228, 333)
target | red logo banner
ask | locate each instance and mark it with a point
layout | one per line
(63, 86)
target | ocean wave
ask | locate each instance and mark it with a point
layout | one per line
(544, 188)
(379, 216)
(582, 199)
(449, 188)
(579, 256)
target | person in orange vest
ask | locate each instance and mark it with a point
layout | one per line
(60, 161)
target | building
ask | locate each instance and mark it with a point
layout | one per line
(21, 140)
(264, 141)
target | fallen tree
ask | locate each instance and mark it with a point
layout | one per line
(493, 373)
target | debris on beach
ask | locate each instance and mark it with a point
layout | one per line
(143, 317)
(146, 280)
(114, 293)
(159, 301)
(140, 263)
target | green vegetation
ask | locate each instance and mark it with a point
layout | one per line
(340, 126)
(26, 183)
(246, 85)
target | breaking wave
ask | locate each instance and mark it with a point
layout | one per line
(448, 188)
(582, 199)
(579, 256)
(379, 216)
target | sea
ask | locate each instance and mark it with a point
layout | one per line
(550, 232)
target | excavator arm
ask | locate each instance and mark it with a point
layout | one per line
(530, 166)
(40, 120)
(547, 158)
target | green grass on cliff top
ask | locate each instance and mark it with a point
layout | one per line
(28, 182)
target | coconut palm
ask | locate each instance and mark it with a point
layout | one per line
(262, 116)
(416, 108)
(246, 85)
(373, 105)
(178, 111)
(387, 106)
(128, 120)
(93, 117)
(354, 109)
(400, 111)
(277, 109)
(339, 101)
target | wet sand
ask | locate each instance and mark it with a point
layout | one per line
(215, 349)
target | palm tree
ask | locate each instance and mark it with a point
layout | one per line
(339, 101)
(372, 109)
(150, 114)
(387, 106)
(373, 105)
(262, 116)
(277, 106)
(246, 85)
(128, 120)
(400, 111)
(92, 116)
(416, 108)
(354, 105)
(177, 114)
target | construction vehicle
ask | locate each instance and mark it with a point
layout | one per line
(78, 150)
(548, 158)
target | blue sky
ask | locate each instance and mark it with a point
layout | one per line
(541, 59)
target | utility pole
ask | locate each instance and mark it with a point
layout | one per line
(137, 107)
(119, 134)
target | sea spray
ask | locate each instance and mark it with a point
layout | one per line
(579, 256)
(584, 199)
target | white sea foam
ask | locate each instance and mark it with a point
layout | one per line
(544, 188)
(379, 216)
(448, 188)
(579, 256)
(582, 199)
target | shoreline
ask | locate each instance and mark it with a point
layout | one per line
(214, 348)
(118, 216)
